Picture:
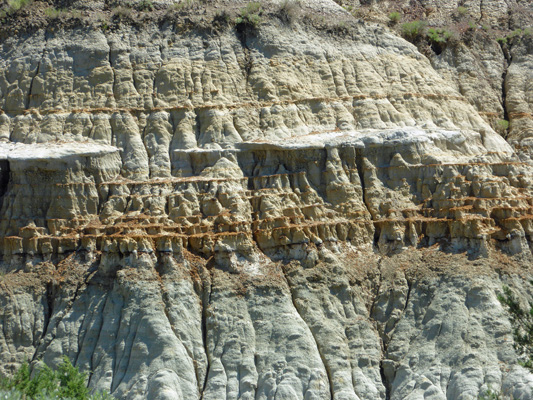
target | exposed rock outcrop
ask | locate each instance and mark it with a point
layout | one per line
(267, 213)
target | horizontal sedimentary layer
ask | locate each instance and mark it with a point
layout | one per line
(386, 188)
(266, 212)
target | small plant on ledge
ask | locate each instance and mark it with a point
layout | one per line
(250, 15)
(395, 17)
(414, 29)
(439, 35)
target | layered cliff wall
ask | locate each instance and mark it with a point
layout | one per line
(274, 211)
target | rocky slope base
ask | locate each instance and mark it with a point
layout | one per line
(266, 211)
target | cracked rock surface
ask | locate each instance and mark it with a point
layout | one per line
(271, 213)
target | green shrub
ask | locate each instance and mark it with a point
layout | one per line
(502, 126)
(64, 383)
(17, 395)
(251, 8)
(462, 11)
(517, 33)
(222, 18)
(289, 10)
(75, 14)
(439, 35)
(10, 395)
(501, 40)
(395, 17)
(250, 15)
(71, 381)
(489, 395)
(15, 5)
(413, 29)
(54, 13)
(43, 382)
(522, 324)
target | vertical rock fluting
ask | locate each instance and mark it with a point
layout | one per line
(277, 215)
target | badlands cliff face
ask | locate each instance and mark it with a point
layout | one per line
(276, 212)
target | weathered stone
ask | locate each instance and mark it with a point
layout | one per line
(276, 214)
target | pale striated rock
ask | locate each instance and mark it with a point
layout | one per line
(276, 213)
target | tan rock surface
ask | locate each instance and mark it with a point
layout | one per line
(275, 213)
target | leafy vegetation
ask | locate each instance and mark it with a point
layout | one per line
(53, 13)
(502, 126)
(438, 35)
(522, 324)
(12, 7)
(250, 15)
(516, 34)
(395, 17)
(462, 11)
(349, 8)
(15, 5)
(289, 10)
(489, 395)
(413, 29)
(66, 382)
